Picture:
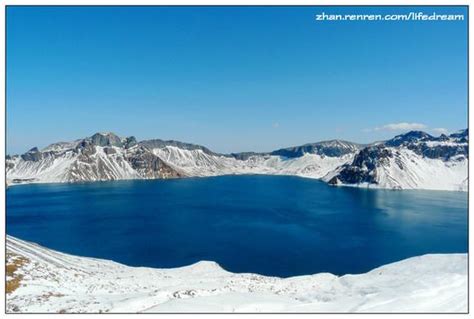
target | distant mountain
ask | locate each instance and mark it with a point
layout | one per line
(408, 138)
(433, 147)
(332, 148)
(157, 143)
(461, 136)
(412, 160)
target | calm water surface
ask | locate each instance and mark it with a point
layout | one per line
(271, 225)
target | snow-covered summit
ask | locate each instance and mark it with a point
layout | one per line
(410, 137)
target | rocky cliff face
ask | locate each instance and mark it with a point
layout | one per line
(363, 167)
(412, 160)
(103, 156)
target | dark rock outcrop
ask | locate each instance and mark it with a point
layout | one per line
(33, 155)
(130, 142)
(362, 168)
(443, 147)
(106, 139)
(85, 147)
(461, 136)
(149, 165)
(109, 150)
(410, 137)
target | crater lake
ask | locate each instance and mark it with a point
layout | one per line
(270, 225)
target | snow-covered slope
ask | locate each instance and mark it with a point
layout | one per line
(412, 160)
(404, 169)
(409, 161)
(103, 156)
(199, 163)
(43, 280)
(333, 148)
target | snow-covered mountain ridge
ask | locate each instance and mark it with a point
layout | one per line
(412, 160)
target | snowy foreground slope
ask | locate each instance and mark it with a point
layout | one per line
(50, 281)
(415, 160)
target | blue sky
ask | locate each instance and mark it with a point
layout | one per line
(230, 78)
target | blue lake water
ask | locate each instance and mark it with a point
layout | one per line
(271, 225)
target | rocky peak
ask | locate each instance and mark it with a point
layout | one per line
(460, 136)
(410, 137)
(32, 155)
(362, 169)
(369, 156)
(86, 147)
(106, 139)
(443, 137)
(129, 142)
(443, 147)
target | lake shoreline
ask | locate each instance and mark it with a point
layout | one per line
(9, 183)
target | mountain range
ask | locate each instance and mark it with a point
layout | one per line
(414, 160)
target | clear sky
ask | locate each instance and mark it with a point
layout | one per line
(230, 78)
